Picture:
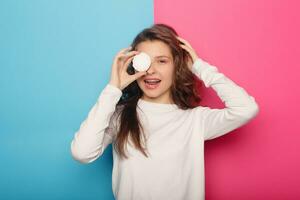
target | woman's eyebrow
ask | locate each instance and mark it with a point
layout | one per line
(162, 56)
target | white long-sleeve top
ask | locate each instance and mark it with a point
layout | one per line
(175, 167)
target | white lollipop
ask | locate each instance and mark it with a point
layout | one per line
(141, 62)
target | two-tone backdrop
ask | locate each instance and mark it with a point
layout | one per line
(55, 59)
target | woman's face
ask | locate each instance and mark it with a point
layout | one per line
(161, 68)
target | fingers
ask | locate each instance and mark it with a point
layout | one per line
(184, 47)
(187, 46)
(184, 41)
(130, 57)
(130, 53)
(125, 55)
(122, 55)
(122, 52)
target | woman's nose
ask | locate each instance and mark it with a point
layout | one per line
(151, 69)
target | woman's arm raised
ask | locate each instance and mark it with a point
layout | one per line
(99, 128)
(240, 106)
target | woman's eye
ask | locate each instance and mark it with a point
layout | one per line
(162, 61)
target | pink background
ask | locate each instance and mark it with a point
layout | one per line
(256, 44)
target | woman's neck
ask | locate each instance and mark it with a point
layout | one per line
(158, 100)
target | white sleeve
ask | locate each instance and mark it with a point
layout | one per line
(97, 131)
(239, 109)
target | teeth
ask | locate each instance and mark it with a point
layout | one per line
(152, 81)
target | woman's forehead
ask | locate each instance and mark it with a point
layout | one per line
(155, 49)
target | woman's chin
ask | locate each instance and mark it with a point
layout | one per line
(150, 95)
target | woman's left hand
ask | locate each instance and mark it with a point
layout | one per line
(186, 45)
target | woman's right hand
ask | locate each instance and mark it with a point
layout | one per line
(119, 76)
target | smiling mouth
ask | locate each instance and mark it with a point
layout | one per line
(152, 84)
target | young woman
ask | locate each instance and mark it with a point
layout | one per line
(154, 117)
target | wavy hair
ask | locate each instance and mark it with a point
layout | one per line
(184, 90)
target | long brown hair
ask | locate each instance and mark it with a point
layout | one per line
(183, 90)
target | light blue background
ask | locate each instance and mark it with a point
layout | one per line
(55, 59)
